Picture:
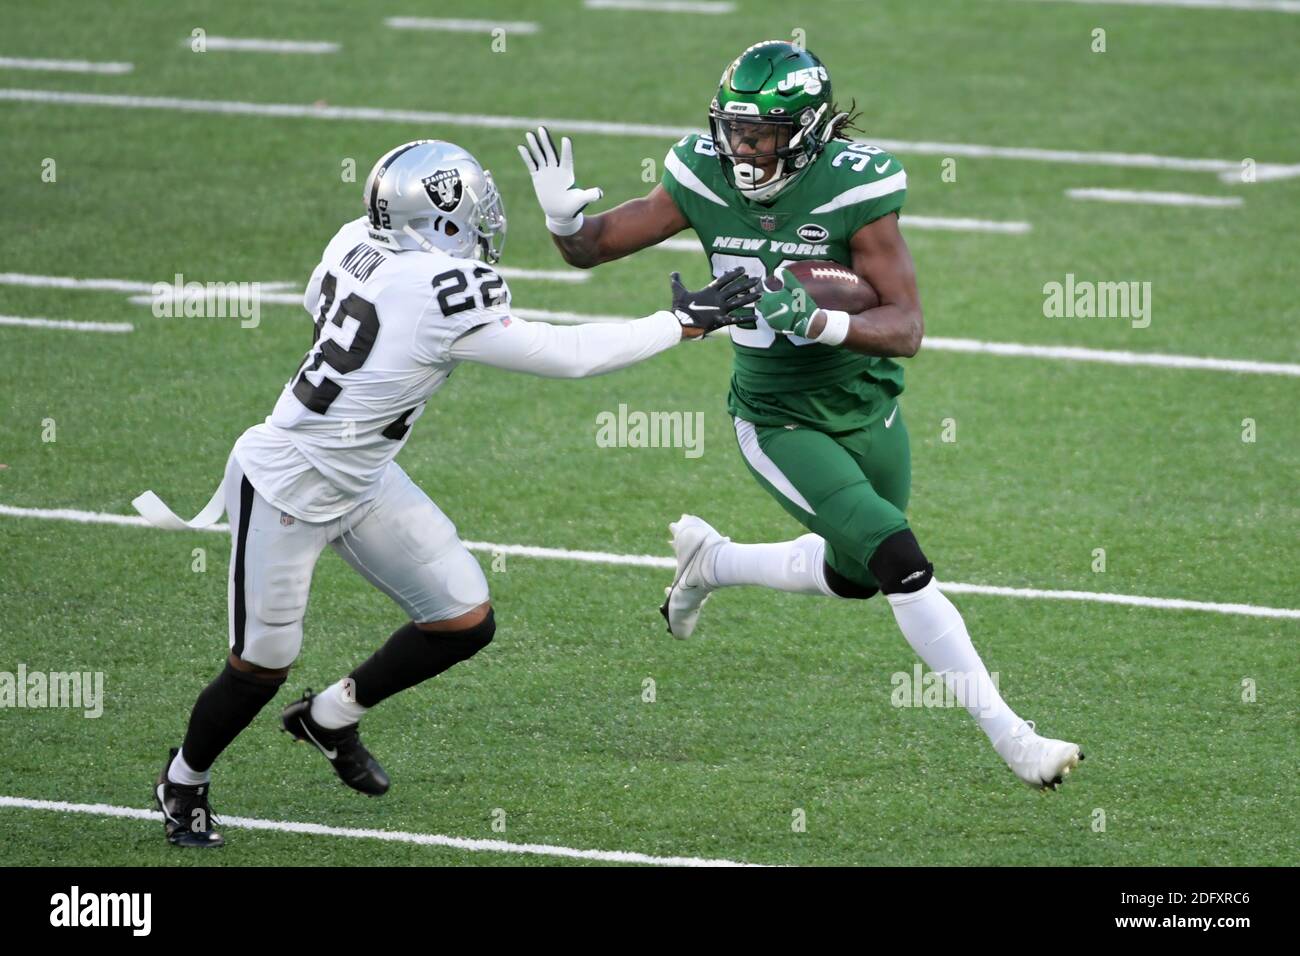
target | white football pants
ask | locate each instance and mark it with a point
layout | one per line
(399, 541)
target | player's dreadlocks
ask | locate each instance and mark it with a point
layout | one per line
(848, 123)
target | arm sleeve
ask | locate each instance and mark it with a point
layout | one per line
(572, 351)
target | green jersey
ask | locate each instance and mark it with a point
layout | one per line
(779, 379)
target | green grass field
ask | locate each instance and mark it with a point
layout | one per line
(780, 703)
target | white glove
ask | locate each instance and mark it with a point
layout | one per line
(553, 182)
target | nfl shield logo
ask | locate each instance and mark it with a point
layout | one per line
(767, 223)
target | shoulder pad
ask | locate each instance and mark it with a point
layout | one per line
(857, 173)
(694, 164)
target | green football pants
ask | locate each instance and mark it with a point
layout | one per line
(850, 488)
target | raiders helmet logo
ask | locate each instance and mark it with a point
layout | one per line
(444, 189)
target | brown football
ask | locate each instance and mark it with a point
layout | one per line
(833, 286)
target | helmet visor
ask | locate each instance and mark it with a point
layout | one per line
(749, 139)
(755, 149)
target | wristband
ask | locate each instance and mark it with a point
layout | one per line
(564, 227)
(836, 329)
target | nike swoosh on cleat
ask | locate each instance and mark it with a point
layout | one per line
(163, 804)
(668, 592)
(329, 754)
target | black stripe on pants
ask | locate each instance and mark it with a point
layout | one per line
(241, 545)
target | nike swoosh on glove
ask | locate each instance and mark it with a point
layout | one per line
(789, 308)
(724, 301)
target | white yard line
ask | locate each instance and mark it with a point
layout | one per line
(1261, 6)
(467, 844)
(32, 281)
(254, 45)
(680, 245)
(1131, 600)
(1143, 197)
(63, 66)
(1070, 353)
(965, 225)
(1226, 167)
(667, 563)
(67, 324)
(270, 291)
(1063, 353)
(714, 7)
(453, 25)
(544, 275)
(70, 282)
(263, 298)
(143, 292)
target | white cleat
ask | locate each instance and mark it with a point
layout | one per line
(1039, 761)
(694, 540)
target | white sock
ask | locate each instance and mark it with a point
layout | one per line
(337, 706)
(797, 566)
(182, 773)
(937, 633)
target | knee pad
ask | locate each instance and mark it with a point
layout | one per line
(463, 582)
(899, 565)
(281, 597)
(845, 588)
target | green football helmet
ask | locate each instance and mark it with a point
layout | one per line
(771, 118)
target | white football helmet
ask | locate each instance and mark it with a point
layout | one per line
(429, 194)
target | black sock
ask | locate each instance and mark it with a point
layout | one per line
(411, 656)
(225, 708)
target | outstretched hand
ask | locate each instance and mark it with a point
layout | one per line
(724, 301)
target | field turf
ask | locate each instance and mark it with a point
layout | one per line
(780, 703)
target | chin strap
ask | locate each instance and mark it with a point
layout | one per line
(460, 252)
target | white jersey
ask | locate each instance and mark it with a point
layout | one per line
(385, 324)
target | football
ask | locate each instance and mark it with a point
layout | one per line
(833, 286)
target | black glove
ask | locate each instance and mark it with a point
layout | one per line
(724, 301)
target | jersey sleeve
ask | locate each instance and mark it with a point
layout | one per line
(864, 187)
(311, 297)
(690, 174)
(460, 299)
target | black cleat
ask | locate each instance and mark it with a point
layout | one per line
(341, 747)
(186, 815)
